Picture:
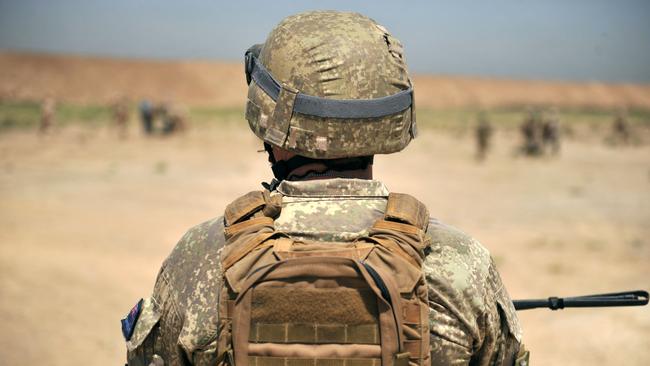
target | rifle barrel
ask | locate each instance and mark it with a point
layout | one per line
(628, 298)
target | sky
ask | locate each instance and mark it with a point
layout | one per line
(544, 39)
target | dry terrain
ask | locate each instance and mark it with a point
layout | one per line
(86, 219)
(78, 79)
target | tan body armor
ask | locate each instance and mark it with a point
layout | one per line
(290, 302)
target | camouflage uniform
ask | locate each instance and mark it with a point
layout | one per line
(551, 134)
(483, 136)
(297, 79)
(48, 110)
(531, 132)
(121, 116)
(472, 318)
(621, 129)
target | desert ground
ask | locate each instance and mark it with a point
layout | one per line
(86, 218)
(77, 79)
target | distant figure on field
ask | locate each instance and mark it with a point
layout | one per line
(174, 119)
(121, 116)
(146, 116)
(621, 129)
(483, 136)
(48, 110)
(551, 133)
(531, 132)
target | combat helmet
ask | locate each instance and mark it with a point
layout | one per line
(330, 85)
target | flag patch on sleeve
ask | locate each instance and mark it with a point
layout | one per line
(128, 323)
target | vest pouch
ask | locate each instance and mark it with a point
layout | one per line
(316, 311)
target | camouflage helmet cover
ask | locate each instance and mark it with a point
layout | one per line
(331, 56)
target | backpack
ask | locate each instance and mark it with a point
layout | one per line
(290, 302)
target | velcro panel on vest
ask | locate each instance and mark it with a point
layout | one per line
(357, 251)
(280, 305)
(406, 209)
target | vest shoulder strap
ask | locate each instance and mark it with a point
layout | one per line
(247, 205)
(406, 209)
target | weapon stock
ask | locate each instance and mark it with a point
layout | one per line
(628, 298)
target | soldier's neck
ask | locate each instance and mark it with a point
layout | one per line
(319, 171)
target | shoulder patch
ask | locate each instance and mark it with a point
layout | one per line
(128, 323)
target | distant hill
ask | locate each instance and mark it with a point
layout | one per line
(78, 79)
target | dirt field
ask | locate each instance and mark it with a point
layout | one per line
(88, 80)
(86, 220)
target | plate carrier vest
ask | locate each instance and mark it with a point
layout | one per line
(291, 302)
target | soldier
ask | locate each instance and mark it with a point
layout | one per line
(621, 128)
(551, 133)
(175, 119)
(530, 130)
(120, 116)
(483, 136)
(327, 91)
(48, 109)
(146, 116)
(160, 117)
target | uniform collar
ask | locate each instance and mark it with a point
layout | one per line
(335, 187)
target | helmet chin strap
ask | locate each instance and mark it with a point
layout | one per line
(282, 168)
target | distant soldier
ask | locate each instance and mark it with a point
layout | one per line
(160, 118)
(121, 116)
(483, 136)
(551, 133)
(530, 131)
(174, 120)
(621, 128)
(48, 109)
(146, 116)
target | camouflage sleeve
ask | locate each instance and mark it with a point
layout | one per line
(177, 324)
(471, 316)
(156, 332)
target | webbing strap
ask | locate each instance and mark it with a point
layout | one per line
(395, 248)
(232, 230)
(413, 347)
(290, 361)
(315, 333)
(257, 242)
(226, 309)
(330, 108)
